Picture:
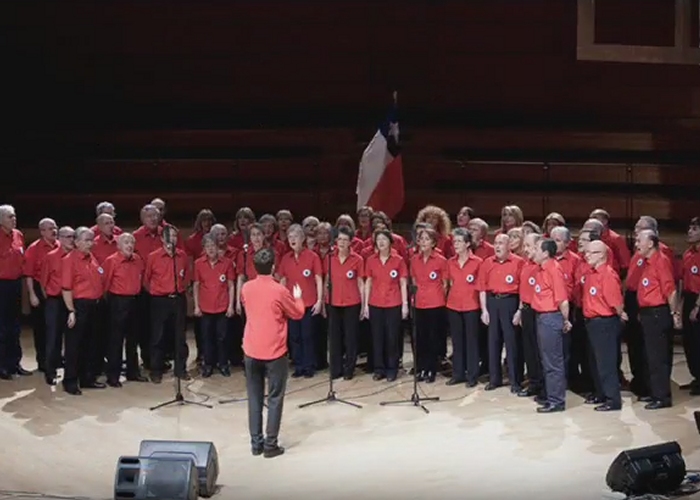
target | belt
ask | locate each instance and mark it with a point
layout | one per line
(547, 312)
(169, 296)
(503, 295)
(652, 309)
(601, 317)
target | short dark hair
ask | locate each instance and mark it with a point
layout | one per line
(695, 221)
(594, 235)
(264, 261)
(385, 232)
(344, 230)
(549, 246)
(464, 234)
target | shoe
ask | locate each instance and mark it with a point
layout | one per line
(378, 376)
(607, 407)
(5, 375)
(156, 378)
(593, 400)
(256, 450)
(348, 376)
(50, 379)
(540, 400)
(515, 389)
(645, 399)
(657, 405)
(225, 371)
(421, 376)
(527, 393)
(273, 452)
(297, 374)
(22, 372)
(207, 372)
(549, 408)
(472, 383)
(185, 377)
(430, 377)
(455, 381)
(492, 387)
(114, 383)
(391, 378)
(94, 385)
(136, 378)
(73, 390)
(309, 374)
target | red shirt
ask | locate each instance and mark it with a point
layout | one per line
(618, 246)
(444, 243)
(580, 273)
(637, 263)
(104, 247)
(159, 272)
(82, 274)
(568, 261)
(193, 245)
(213, 282)
(123, 276)
(464, 293)
(550, 288)
(656, 281)
(485, 250)
(429, 276)
(691, 275)
(602, 293)
(357, 245)
(244, 261)
(268, 304)
(386, 279)
(35, 255)
(147, 242)
(236, 240)
(51, 269)
(115, 232)
(501, 277)
(302, 271)
(528, 278)
(345, 277)
(399, 245)
(11, 254)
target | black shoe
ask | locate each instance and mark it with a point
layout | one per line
(378, 376)
(50, 379)
(114, 383)
(607, 407)
(515, 389)
(136, 378)
(73, 390)
(657, 405)
(22, 372)
(429, 377)
(156, 378)
(492, 387)
(256, 450)
(207, 371)
(549, 408)
(297, 374)
(309, 374)
(420, 377)
(391, 378)
(541, 400)
(5, 375)
(273, 452)
(455, 381)
(472, 383)
(527, 393)
(645, 399)
(225, 371)
(593, 400)
(94, 385)
(348, 376)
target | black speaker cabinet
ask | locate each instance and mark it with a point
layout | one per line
(204, 455)
(163, 478)
(658, 469)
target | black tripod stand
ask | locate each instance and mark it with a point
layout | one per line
(179, 399)
(415, 400)
(332, 396)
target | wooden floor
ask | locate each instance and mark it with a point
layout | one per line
(473, 444)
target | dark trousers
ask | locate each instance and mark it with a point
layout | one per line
(103, 339)
(123, 326)
(56, 316)
(657, 327)
(320, 342)
(604, 337)
(165, 310)
(464, 330)
(483, 348)
(633, 337)
(82, 345)
(578, 358)
(214, 339)
(343, 325)
(501, 330)
(143, 304)
(198, 342)
(276, 372)
(531, 350)
(234, 339)
(10, 307)
(301, 336)
(550, 338)
(38, 317)
(385, 323)
(691, 336)
(430, 326)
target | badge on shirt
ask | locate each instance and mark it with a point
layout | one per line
(306, 273)
(470, 278)
(394, 274)
(583, 279)
(21, 250)
(222, 278)
(694, 269)
(100, 270)
(645, 282)
(538, 289)
(640, 262)
(182, 273)
(592, 291)
(509, 279)
(433, 275)
(350, 274)
(531, 281)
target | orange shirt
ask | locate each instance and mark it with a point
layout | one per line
(159, 272)
(116, 232)
(386, 279)
(463, 295)
(691, 275)
(580, 273)
(656, 281)
(104, 247)
(11, 254)
(485, 250)
(527, 281)
(123, 276)
(568, 261)
(501, 277)
(268, 304)
(344, 279)
(147, 242)
(51, 269)
(82, 274)
(193, 245)
(602, 293)
(302, 271)
(213, 282)
(550, 288)
(429, 276)
(35, 255)
(618, 247)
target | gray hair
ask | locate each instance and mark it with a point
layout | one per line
(295, 229)
(124, 237)
(104, 207)
(66, 231)
(563, 230)
(310, 219)
(218, 228)
(208, 238)
(103, 217)
(7, 210)
(46, 221)
(594, 225)
(481, 223)
(649, 223)
(83, 231)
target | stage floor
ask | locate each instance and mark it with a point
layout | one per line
(473, 444)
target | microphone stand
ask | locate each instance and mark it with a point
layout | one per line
(179, 399)
(332, 396)
(415, 400)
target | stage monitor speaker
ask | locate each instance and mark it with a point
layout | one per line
(203, 453)
(658, 469)
(162, 478)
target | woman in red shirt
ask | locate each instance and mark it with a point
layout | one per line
(439, 221)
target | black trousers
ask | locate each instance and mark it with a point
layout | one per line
(604, 337)
(275, 371)
(531, 350)
(10, 307)
(123, 326)
(483, 348)
(343, 326)
(165, 310)
(103, 339)
(143, 304)
(321, 341)
(691, 336)
(430, 326)
(579, 376)
(464, 329)
(657, 327)
(198, 342)
(214, 339)
(385, 323)
(56, 316)
(634, 338)
(501, 331)
(38, 318)
(82, 344)
(234, 339)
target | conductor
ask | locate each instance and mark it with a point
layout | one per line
(268, 305)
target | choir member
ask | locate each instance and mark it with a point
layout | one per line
(268, 223)
(385, 304)
(213, 294)
(439, 221)
(463, 309)
(33, 260)
(234, 329)
(159, 203)
(245, 267)
(604, 313)
(691, 305)
(106, 207)
(244, 218)
(202, 225)
(220, 235)
(550, 302)
(322, 248)
(284, 220)
(515, 241)
(530, 227)
(555, 219)
(381, 221)
(616, 242)
(310, 227)
(499, 281)
(511, 216)
(105, 241)
(123, 271)
(479, 230)
(364, 223)
(345, 220)
(302, 267)
(323, 239)
(464, 215)
(82, 290)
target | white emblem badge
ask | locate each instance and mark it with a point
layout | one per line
(645, 282)
(350, 274)
(433, 275)
(592, 291)
(531, 281)
(306, 273)
(538, 289)
(394, 273)
(694, 269)
(509, 279)
(21, 250)
(222, 278)
(583, 279)
(640, 262)
(470, 278)
(100, 270)
(182, 273)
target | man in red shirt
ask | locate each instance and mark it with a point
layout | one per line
(123, 280)
(616, 242)
(105, 245)
(481, 248)
(106, 207)
(691, 305)
(269, 306)
(604, 313)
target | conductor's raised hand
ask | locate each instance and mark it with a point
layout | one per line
(296, 292)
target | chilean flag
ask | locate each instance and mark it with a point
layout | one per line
(380, 179)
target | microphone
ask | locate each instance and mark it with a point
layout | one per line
(167, 236)
(334, 237)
